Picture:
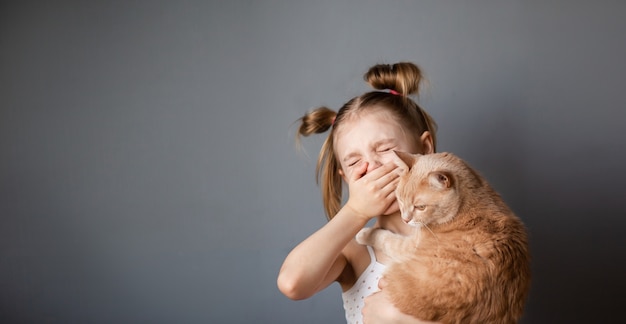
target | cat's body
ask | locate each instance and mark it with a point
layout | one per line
(468, 261)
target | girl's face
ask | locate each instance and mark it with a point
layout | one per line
(371, 137)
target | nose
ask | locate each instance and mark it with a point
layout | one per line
(373, 163)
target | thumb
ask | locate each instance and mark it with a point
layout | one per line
(397, 160)
(359, 172)
(382, 283)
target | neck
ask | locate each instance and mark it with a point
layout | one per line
(395, 224)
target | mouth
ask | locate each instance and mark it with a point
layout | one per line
(411, 222)
(416, 224)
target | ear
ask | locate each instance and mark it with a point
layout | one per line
(404, 160)
(342, 174)
(427, 143)
(440, 179)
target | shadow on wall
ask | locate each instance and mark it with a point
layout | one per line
(578, 270)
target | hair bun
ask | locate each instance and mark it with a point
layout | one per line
(316, 121)
(402, 77)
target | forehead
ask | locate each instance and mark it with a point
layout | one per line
(367, 128)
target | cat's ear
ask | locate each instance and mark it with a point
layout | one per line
(440, 179)
(404, 160)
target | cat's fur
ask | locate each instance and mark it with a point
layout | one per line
(468, 261)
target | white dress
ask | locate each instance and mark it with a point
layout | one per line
(367, 284)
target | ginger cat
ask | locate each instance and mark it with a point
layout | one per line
(468, 261)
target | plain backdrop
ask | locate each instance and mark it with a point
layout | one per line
(149, 173)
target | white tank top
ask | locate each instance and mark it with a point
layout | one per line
(367, 284)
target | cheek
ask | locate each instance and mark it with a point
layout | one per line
(349, 170)
(346, 173)
(386, 158)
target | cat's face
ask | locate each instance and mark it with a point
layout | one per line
(427, 193)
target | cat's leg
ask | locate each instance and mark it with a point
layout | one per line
(387, 241)
(376, 237)
(363, 236)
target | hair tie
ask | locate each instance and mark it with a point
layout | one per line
(332, 122)
(394, 92)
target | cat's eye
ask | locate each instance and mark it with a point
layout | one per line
(420, 207)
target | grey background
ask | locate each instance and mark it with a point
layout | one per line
(148, 170)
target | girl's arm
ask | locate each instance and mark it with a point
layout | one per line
(318, 261)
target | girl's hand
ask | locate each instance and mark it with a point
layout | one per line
(373, 194)
(379, 309)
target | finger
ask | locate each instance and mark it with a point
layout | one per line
(392, 208)
(359, 172)
(382, 170)
(388, 178)
(381, 176)
(389, 189)
(371, 299)
(391, 203)
(399, 162)
(384, 195)
(382, 283)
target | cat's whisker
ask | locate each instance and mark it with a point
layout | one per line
(431, 231)
(418, 234)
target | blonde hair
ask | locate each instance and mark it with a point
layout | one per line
(401, 79)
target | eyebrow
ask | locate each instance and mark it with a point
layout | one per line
(376, 144)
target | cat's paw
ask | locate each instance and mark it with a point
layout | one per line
(363, 235)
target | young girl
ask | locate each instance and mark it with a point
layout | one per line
(358, 151)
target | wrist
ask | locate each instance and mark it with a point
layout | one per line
(356, 214)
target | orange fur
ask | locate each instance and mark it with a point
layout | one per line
(468, 261)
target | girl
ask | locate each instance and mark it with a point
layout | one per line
(358, 151)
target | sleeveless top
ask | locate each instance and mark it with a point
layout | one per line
(367, 284)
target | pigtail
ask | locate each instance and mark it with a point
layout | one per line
(328, 177)
(318, 121)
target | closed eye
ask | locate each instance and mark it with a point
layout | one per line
(420, 207)
(353, 163)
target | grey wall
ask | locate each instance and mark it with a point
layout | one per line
(148, 172)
